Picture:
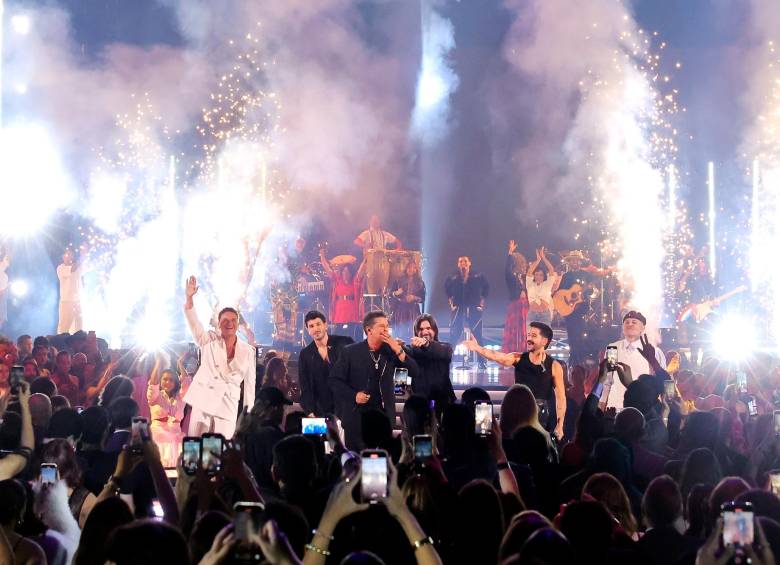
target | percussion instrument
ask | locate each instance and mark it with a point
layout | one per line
(377, 271)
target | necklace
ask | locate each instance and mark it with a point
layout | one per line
(375, 359)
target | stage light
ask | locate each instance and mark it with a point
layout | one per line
(152, 333)
(431, 88)
(19, 288)
(21, 24)
(722, 338)
(20, 88)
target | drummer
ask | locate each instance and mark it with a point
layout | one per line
(376, 238)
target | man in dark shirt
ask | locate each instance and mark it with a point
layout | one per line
(315, 363)
(433, 359)
(262, 431)
(466, 292)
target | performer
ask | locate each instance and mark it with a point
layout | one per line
(433, 359)
(628, 350)
(540, 288)
(345, 293)
(375, 237)
(466, 293)
(696, 286)
(575, 322)
(315, 363)
(538, 371)
(69, 274)
(165, 394)
(517, 310)
(226, 362)
(408, 298)
(362, 378)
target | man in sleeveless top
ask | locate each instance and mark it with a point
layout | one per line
(535, 369)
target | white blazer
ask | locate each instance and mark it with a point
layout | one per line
(215, 388)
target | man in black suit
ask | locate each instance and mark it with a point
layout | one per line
(363, 376)
(315, 363)
(433, 359)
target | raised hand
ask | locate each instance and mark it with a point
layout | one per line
(647, 350)
(192, 286)
(471, 344)
(512, 246)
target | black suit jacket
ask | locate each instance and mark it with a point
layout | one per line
(314, 375)
(433, 362)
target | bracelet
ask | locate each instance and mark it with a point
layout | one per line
(315, 532)
(315, 549)
(425, 541)
(503, 465)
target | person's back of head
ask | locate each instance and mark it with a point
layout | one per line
(59, 402)
(700, 466)
(697, 509)
(292, 522)
(40, 411)
(520, 529)
(416, 416)
(66, 423)
(771, 530)
(293, 422)
(376, 429)
(362, 558)
(611, 456)
(147, 541)
(95, 420)
(121, 412)
(727, 490)
(641, 395)
(203, 533)
(14, 501)
(630, 425)
(105, 516)
(41, 341)
(117, 387)
(518, 408)
(60, 452)
(547, 546)
(529, 446)
(587, 525)
(43, 385)
(472, 395)
(662, 503)
(607, 489)
(457, 428)
(295, 462)
(765, 503)
(700, 430)
(479, 498)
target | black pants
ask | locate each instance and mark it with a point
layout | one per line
(575, 332)
(465, 316)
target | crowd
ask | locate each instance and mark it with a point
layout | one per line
(642, 484)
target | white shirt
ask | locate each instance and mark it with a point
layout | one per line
(538, 293)
(377, 239)
(70, 283)
(628, 353)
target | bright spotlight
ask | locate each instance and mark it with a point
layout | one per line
(722, 340)
(20, 88)
(19, 288)
(152, 333)
(21, 24)
(431, 88)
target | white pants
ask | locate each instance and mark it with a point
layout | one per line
(70, 317)
(201, 423)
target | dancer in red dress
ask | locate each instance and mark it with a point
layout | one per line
(346, 304)
(517, 310)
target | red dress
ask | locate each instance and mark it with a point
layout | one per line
(345, 300)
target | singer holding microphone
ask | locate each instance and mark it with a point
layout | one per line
(538, 371)
(226, 362)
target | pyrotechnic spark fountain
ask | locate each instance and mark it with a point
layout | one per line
(711, 218)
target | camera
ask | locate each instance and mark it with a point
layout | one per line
(373, 484)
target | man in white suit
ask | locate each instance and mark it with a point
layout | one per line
(225, 362)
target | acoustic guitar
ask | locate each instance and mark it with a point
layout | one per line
(702, 310)
(565, 300)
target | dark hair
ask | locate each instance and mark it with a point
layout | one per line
(43, 385)
(175, 376)
(121, 412)
(21, 337)
(95, 420)
(105, 517)
(203, 533)
(430, 319)
(376, 428)
(116, 387)
(370, 318)
(700, 466)
(662, 503)
(546, 545)
(59, 402)
(764, 503)
(147, 541)
(519, 530)
(479, 498)
(14, 497)
(61, 354)
(41, 341)
(587, 525)
(272, 372)
(545, 330)
(314, 315)
(61, 452)
(472, 395)
(295, 462)
(225, 311)
(416, 416)
(65, 423)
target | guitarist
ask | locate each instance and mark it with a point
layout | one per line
(696, 286)
(575, 322)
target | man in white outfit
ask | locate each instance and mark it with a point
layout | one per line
(628, 353)
(225, 363)
(69, 273)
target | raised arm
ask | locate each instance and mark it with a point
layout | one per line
(551, 272)
(560, 398)
(505, 359)
(532, 267)
(200, 335)
(14, 463)
(325, 263)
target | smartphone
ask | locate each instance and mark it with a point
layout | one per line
(401, 380)
(774, 481)
(49, 473)
(669, 389)
(776, 415)
(16, 378)
(742, 381)
(211, 452)
(157, 510)
(248, 517)
(423, 447)
(612, 356)
(483, 418)
(737, 523)
(373, 484)
(752, 407)
(139, 432)
(190, 454)
(314, 427)
(78, 409)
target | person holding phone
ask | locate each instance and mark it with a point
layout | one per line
(629, 352)
(165, 394)
(226, 363)
(362, 379)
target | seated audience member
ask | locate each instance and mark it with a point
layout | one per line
(662, 510)
(14, 501)
(80, 500)
(260, 430)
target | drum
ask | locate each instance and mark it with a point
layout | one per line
(377, 271)
(398, 261)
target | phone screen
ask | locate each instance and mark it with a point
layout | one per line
(737, 527)
(742, 381)
(612, 355)
(401, 380)
(776, 414)
(483, 414)
(248, 517)
(669, 389)
(190, 454)
(211, 453)
(373, 484)
(774, 482)
(138, 433)
(314, 426)
(157, 510)
(15, 378)
(752, 408)
(48, 473)
(423, 446)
